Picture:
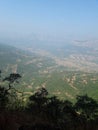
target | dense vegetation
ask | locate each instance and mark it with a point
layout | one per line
(43, 112)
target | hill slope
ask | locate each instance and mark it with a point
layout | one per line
(43, 71)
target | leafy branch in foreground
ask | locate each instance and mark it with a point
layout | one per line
(8, 93)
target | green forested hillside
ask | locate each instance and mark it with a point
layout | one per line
(42, 71)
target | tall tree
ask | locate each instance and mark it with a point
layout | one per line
(38, 100)
(8, 93)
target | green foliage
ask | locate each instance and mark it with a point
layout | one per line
(12, 78)
(3, 97)
(63, 114)
(45, 109)
(8, 93)
(87, 106)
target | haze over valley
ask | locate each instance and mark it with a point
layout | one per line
(49, 65)
(65, 71)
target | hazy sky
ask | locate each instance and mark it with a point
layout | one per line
(49, 19)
